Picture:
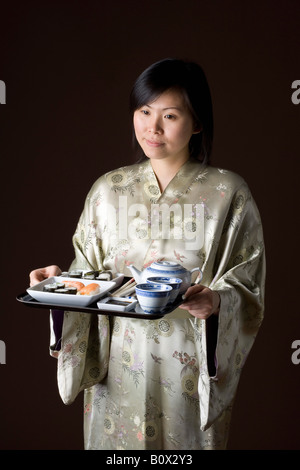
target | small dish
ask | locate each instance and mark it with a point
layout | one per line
(174, 282)
(153, 298)
(119, 304)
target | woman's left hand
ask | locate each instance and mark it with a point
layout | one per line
(201, 301)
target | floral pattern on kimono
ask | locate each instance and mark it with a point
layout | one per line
(147, 383)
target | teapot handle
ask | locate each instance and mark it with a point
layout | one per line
(200, 275)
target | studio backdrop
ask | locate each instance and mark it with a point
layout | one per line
(66, 71)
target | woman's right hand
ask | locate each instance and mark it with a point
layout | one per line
(38, 275)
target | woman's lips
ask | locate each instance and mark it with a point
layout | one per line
(152, 143)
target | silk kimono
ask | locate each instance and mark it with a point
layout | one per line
(167, 383)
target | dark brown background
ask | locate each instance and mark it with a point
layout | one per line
(68, 68)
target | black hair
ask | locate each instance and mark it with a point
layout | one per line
(190, 79)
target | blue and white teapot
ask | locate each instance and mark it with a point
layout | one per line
(166, 269)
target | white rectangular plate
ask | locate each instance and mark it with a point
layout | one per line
(68, 300)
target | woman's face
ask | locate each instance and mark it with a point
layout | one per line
(163, 128)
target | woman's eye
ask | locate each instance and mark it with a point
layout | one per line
(169, 116)
(144, 111)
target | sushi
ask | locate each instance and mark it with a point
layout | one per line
(77, 284)
(72, 287)
(90, 275)
(76, 273)
(90, 289)
(71, 290)
(60, 285)
(50, 287)
(105, 276)
(61, 291)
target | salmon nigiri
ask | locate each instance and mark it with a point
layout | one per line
(90, 289)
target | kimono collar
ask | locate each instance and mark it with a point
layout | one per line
(189, 173)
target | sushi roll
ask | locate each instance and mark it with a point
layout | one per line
(105, 276)
(75, 273)
(60, 285)
(61, 291)
(71, 290)
(90, 275)
(50, 287)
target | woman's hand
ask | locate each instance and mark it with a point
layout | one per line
(201, 301)
(38, 275)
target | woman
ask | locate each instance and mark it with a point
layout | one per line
(167, 383)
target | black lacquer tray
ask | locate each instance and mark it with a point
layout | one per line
(137, 312)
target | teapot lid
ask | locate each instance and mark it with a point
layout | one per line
(169, 266)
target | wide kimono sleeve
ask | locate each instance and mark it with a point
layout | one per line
(239, 278)
(80, 341)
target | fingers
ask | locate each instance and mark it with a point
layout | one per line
(38, 275)
(193, 290)
(53, 270)
(35, 277)
(201, 302)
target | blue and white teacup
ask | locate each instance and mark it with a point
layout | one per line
(153, 298)
(174, 282)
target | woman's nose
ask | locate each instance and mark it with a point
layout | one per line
(155, 126)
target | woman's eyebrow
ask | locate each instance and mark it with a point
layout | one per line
(168, 107)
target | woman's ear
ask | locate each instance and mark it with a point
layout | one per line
(197, 128)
